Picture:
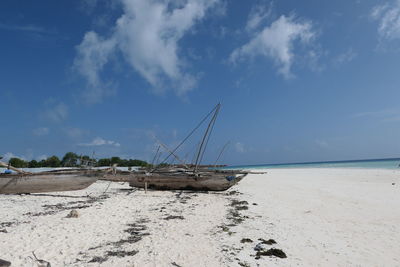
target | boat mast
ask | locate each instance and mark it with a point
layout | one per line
(155, 156)
(222, 151)
(187, 137)
(172, 153)
(206, 136)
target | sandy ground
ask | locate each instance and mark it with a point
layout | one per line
(317, 217)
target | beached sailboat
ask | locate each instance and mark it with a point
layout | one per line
(205, 180)
(186, 177)
(22, 182)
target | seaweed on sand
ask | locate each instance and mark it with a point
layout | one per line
(271, 252)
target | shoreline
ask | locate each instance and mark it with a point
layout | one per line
(316, 216)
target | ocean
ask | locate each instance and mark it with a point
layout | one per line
(392, 163)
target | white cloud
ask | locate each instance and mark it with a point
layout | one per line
(98, 141)
(147, 36)
(388, 16)
(57, 112)
(239, 147)
(277, 43)
(41, 131)
(92, 54)
(257, 15)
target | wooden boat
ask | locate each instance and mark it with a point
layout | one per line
(186, 180)
(172, 179)
(48, 181)
(188, 176)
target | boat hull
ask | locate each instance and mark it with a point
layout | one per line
(41, 183)
(183, 182)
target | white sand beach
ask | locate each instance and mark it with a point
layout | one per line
(318, 217)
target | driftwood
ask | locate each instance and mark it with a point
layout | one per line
(41, 263)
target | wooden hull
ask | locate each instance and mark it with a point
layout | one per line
(208, 182)
(45, 182)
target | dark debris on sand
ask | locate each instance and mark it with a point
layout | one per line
(271, 252)
(173, 217)
(4, 225)
(267, 242)
(72, 205)
(136, 232)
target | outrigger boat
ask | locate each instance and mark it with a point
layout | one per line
(185, 177)
(205, 180)
(22, 182)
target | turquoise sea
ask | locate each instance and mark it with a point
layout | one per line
(392, 163)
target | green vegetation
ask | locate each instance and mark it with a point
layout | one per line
(71, 159)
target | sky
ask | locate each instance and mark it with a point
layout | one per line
(298, 81)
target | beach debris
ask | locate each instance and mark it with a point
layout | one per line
(246, 240)
(72, 205)
(121, 253)
(233, 192)
(73, 214)
(3, 231)
(98, 259)
(41, 263)
(271, 252)
(254, 204)
(267, 242)
(236, 202)
(173, 217)
(118, 253)
(136, 234)
(4, 263)
(393, 183)
(7, 224)
(175, 264)
(243, 264)
(259, 247)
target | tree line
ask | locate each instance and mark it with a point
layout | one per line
(71, 159)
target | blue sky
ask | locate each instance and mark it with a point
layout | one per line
(310, 81)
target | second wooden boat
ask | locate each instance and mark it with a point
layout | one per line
(49, 181)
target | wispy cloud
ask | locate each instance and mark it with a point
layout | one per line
(147, 36)
(277, 42)
(388, 17)
(239, 147)
(384, 115)
(57, 112)
(258, 14)
(345, 57)
(98, 141)
(41, 131)
(23, 28)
